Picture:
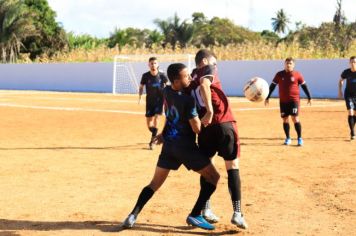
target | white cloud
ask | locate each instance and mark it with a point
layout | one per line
(100, 17)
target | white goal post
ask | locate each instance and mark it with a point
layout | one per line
(128, 69)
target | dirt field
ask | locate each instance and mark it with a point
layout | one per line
(74, 164)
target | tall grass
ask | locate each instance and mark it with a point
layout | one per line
(246, 51)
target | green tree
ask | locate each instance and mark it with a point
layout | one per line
(16, 24)
(51, 38)
(176, 32)
(280, 22)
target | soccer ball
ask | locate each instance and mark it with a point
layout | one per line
(256, 89)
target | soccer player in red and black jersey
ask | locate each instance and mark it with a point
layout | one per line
(155, 81)
(219, 132)
(350, 93)
(288, 81)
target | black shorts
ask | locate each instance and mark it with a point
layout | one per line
(174, 155)
(350, 103)
(220, 138)
(289, 109)
(154, 108)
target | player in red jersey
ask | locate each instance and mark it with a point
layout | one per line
(288, 81)
(219, 132)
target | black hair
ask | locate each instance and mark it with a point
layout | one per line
(174, 70)
(152, 59)
(203, 53)
(352, 58)
(288, 59)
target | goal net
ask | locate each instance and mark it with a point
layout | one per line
(128, 69)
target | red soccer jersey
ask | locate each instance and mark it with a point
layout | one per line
(288, 83)
(221, 107)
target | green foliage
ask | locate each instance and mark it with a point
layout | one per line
(16, 24)
(84, 41)
(51, 37)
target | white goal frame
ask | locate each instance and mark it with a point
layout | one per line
(126, 66)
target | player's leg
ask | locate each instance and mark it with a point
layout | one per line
(230, 150)
(208, 145)
(193, 158)
(351, 118)
(152, 127)
(147, 192)
(294, 112)
(284, 109)
(210, 174)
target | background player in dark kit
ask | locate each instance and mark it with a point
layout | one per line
(350, 93)
(155, 81)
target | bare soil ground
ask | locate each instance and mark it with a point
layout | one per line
(74, 164)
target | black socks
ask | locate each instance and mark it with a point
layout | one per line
(153, 131)
(352, 121)
(286, 129)
(206, 190)
(298, 128)
(234, 184)
(143, 198)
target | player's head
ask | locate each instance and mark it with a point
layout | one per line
(289, 64)
(178, 75)
(353, 63)
(153, 63)
(205, 57)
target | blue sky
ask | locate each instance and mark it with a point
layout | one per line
(100, 17)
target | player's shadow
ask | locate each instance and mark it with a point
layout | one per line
(6, 226)
(117, 147)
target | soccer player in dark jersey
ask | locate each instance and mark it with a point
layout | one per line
(179, 147)
(288, 81)
(350, 93)
(219, 132)
(155, 81)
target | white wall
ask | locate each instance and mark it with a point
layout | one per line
(321, 76)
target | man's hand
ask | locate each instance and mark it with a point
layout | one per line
(266, 102)
(158, 139)
(207, 118)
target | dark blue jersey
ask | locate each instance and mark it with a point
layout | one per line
(350, 89)
(154, 85)
(179, 109)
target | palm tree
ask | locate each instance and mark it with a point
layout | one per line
(15, 26)
(280, 22)
(176, 31)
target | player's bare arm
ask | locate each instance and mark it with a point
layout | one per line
(195, 124)
(140, 92)
(341, 82)
(206, 96)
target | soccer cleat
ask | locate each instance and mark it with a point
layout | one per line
(199, 221)
(300, 142)
(288, 141)
(129, 221)
(210, 216)
(238, 220)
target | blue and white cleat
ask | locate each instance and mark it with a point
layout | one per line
(129, 221)
(239, 220)
(210, 216)
(199, 221)
(288, 141)
(300, 142)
